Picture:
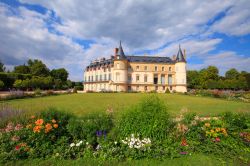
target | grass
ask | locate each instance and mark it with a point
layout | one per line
(81, 104)
(194, 160)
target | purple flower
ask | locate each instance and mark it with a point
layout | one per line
(183, 153)
(98, 133)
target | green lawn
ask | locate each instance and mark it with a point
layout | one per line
(90, 102)
(194, 160)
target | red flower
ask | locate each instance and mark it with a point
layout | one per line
(217, 139)
(184, 142)
(17, 147)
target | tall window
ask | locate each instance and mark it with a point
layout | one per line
(105, 77)
(145, 78)
(137, 78)
(155, 68)
(162, 68)
(162, 79)
(96, 77)
(169, 68)
(100, 77)
(145, 68)
(137, 67)
(109, 76)
(129, 78)
(169, 79)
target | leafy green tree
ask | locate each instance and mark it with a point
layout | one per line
(23, 69)
(232, 74)
(2, 68)
(61, 74)
(38, 68)
(1, 84)
(18, 84)
(193, 79)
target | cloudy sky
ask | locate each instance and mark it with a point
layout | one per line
(71, 33)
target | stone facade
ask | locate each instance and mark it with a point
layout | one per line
(136, 73)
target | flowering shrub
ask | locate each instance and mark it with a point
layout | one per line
(148, 119)
(135, 142)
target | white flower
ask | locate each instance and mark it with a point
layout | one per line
(115, 142)
(87, 143)
(78, 144)
(72, 144)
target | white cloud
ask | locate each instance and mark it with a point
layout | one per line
(224, 61)
(236, 21)
(26, 36)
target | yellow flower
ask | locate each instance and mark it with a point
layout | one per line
(217, 129)
(39, 122)
(207, 124)
(29, 126)
(212, 131)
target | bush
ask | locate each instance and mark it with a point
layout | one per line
(148, 119)
(90, 127)
(1, 84)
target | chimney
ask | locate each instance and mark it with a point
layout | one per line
(116, 51)
(185, 57)
(174, 57)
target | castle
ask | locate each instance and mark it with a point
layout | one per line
(123, 73)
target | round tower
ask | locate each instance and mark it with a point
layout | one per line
(180, 72)
(120, 70)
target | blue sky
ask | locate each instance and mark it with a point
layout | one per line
(72, 33)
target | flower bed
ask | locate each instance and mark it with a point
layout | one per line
(145, 131)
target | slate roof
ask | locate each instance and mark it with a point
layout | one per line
(120, 52)
(149, 59)
(180, 57)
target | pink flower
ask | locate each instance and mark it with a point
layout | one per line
(18, 127)
(15, 138)
(9, 127)
(183, 153)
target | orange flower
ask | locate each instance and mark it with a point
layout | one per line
(39, 122)
(32, 117)
(55, 126)
(37, 129)
(53, 121)
(48, 127)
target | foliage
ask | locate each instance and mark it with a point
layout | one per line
(1, 84)
(148, 119)
(61, 74)
(209, 79)
(90, 127)
(2, 68)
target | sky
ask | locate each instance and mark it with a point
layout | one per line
(71, 33)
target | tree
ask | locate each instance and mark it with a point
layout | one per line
(1, 84)
(192, 79)
(232, 74)
(61, 74)
(38, 68)
(18, 84)
(2, 68)
(23, 69)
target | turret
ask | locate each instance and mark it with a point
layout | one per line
(180, 72)
(120, 69)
